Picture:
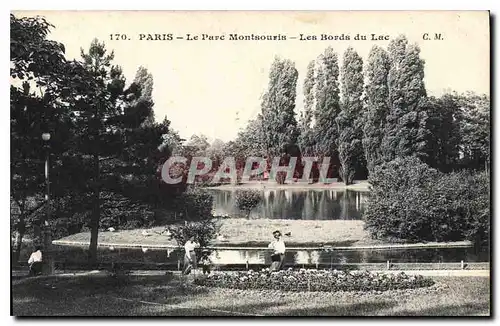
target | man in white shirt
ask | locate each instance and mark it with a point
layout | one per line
(278, 247)
(35, 262)
(190, 255)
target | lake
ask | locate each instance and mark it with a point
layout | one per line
(297, 204)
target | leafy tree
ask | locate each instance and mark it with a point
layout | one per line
(145, 79)
(249, 142)
(251, 139)
(306, 137)
(247, 200)
(278, 104)
(327, 105)
(38, 73)
(172, 140)
(196, 146)
(405, 131)
(376, 105)
(459, 133)
(216, 152)
(444, 134)
(349, 121)
(474, 127)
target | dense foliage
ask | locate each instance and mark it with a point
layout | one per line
(315, 280)
(412, 202)
(376, 105)
(195, 218)
(278, 104)
(327, 103)
(104, 128)
(99, 127)
(349, 120)
(405, 131)
(306, 137)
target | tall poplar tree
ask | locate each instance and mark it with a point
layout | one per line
(278, 104)
(327, 104)
(349, 122)
(376, 105)
(406, 132)
(306, 137)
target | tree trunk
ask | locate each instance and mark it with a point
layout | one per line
(96, 211)
(18, 242)
(37, 233)
(345, 175)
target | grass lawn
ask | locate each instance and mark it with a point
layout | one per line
(239, 231)
(100, 295)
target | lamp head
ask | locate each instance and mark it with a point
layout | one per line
(46, 136)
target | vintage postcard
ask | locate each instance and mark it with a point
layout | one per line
(250, 163)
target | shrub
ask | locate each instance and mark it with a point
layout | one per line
(195, 208)
(246, 200)
(412, 202)
(314, 280)
(195, 204)
(478, 214)
(120, 212)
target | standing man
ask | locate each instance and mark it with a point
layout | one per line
(190, 255)
(35, 262)
(278, 247)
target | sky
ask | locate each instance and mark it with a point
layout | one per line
(213, 87)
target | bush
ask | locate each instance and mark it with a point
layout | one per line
(195, 209)
(412, 202)
(193, 205)
(120, 212)
(246, 200)
(314, 280)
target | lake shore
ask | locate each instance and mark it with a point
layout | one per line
(242, 232)
(239, 232)
(361, 185)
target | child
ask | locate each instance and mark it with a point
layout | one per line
(205, 262)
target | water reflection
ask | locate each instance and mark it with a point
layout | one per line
(136, 257)
(297, 205)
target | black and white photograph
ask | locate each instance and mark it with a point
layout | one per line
(250, 163)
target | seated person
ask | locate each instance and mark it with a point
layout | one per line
(35, 262)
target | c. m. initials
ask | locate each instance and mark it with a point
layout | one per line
(437, 37)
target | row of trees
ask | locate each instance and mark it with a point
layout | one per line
(360, 115)
(364, 114)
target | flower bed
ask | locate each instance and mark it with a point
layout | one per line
(314, 280)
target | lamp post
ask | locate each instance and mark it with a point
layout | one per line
(47, 234)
